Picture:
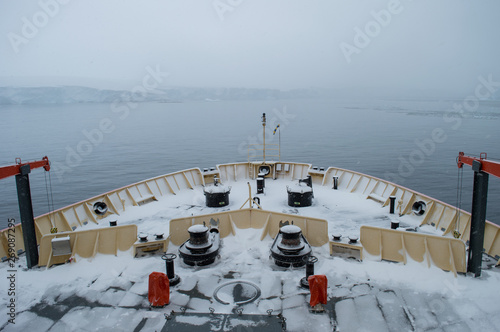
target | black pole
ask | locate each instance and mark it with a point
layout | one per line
(173, 278)
(335, 182)
(478, 220)
(392, 201)
(170, 268)
(310, 260)
(309, 269)
(27, 219)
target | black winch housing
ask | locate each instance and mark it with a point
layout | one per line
(301, 194)
(290, 247)
(203, 246)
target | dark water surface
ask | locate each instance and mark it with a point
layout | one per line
(95, 148)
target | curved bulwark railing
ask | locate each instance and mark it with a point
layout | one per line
(72, 217)
(59, 248)
(314, 229)
(399, 246)
(440, 215)
(278, 170)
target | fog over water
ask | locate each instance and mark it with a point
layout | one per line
(388, 46)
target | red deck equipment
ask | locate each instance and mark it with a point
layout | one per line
(318, 285)
(159, 289)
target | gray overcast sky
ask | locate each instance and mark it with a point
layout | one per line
(426, 44)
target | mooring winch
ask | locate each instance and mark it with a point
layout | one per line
(290, 247)
(301, 193)
(203, 245)
(217, 195)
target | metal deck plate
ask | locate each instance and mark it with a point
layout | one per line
(194, 322)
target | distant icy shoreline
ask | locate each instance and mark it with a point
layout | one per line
(22, 95)
(79, 94)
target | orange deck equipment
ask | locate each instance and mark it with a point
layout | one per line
(318, 285)
(159, 289)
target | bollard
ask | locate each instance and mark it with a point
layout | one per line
(353, 239)
(335, 182)
(173, 278)
(393, 202)
(394, 225)
(310, 260)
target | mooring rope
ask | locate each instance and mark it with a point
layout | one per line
(460, 176)
(50, 199)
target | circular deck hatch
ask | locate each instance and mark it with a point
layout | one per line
(237, 292)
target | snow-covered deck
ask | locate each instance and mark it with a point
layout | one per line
(110, 292)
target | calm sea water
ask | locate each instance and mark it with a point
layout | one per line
(95, 148)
